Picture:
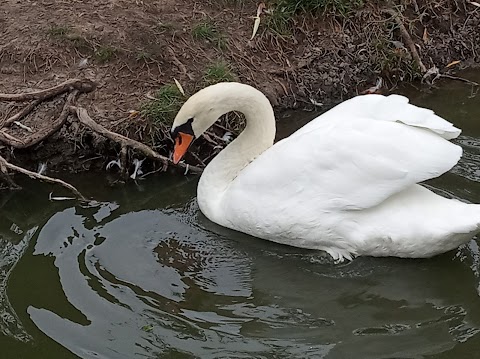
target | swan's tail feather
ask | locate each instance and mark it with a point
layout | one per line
(396, 108)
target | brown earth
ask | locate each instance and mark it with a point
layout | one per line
(131, 48)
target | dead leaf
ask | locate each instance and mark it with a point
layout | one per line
(180, 88)
(256, 24)
(453, 63)
(133, 113)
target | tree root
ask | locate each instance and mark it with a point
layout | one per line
(407, 38)
(86, 120)
(74, 88)
(5, 165)
(82, 86)
(41, 135)
(450, 77)
(434, 70)
(19, 115)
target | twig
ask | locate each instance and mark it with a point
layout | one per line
(5, 164)
(460, 79)
(178, 63)
(86, 120)
(82, 86)
(408, 39)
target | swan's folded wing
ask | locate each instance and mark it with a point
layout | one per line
(392, 108)
(341, 164)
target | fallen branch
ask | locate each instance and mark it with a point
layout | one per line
(4, 164)
(82, 86)
(407, 38)
(86, 120)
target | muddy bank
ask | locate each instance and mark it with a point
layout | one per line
(133, 51)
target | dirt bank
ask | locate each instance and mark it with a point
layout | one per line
(132, 49)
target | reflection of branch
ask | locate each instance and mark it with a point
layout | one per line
(86, 120)
(4, 164)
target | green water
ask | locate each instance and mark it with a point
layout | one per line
(140, 273)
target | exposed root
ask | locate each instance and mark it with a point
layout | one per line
(435, 74)
(86, 120)
(82, 86)
(11, 140)
(407, 38)
(5, 165)
(18, 140)
(19, 115)
(473, 83)
(39, 136)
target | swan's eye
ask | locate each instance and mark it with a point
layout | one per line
(185, 128)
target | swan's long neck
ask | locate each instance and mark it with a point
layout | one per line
(257, 136)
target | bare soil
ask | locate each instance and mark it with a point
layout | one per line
(131, 48)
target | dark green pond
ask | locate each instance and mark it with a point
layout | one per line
(142, 274)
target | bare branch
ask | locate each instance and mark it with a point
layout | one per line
(5, 164)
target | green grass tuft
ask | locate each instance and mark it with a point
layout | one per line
(218, 72)
(59, 31)
(163, 109)
(280, 20)
(67, 35)
(207, 31)
(105, 54)
(143, 56)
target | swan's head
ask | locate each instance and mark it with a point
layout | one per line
(201, 111)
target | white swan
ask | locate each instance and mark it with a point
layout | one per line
(345, 183)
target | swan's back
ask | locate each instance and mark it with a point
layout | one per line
(353, 159)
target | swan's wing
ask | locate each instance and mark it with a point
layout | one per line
(393, 108)
(338, 164)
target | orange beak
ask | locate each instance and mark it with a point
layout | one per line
(182, 143)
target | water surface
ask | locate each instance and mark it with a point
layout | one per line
(140, 273)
